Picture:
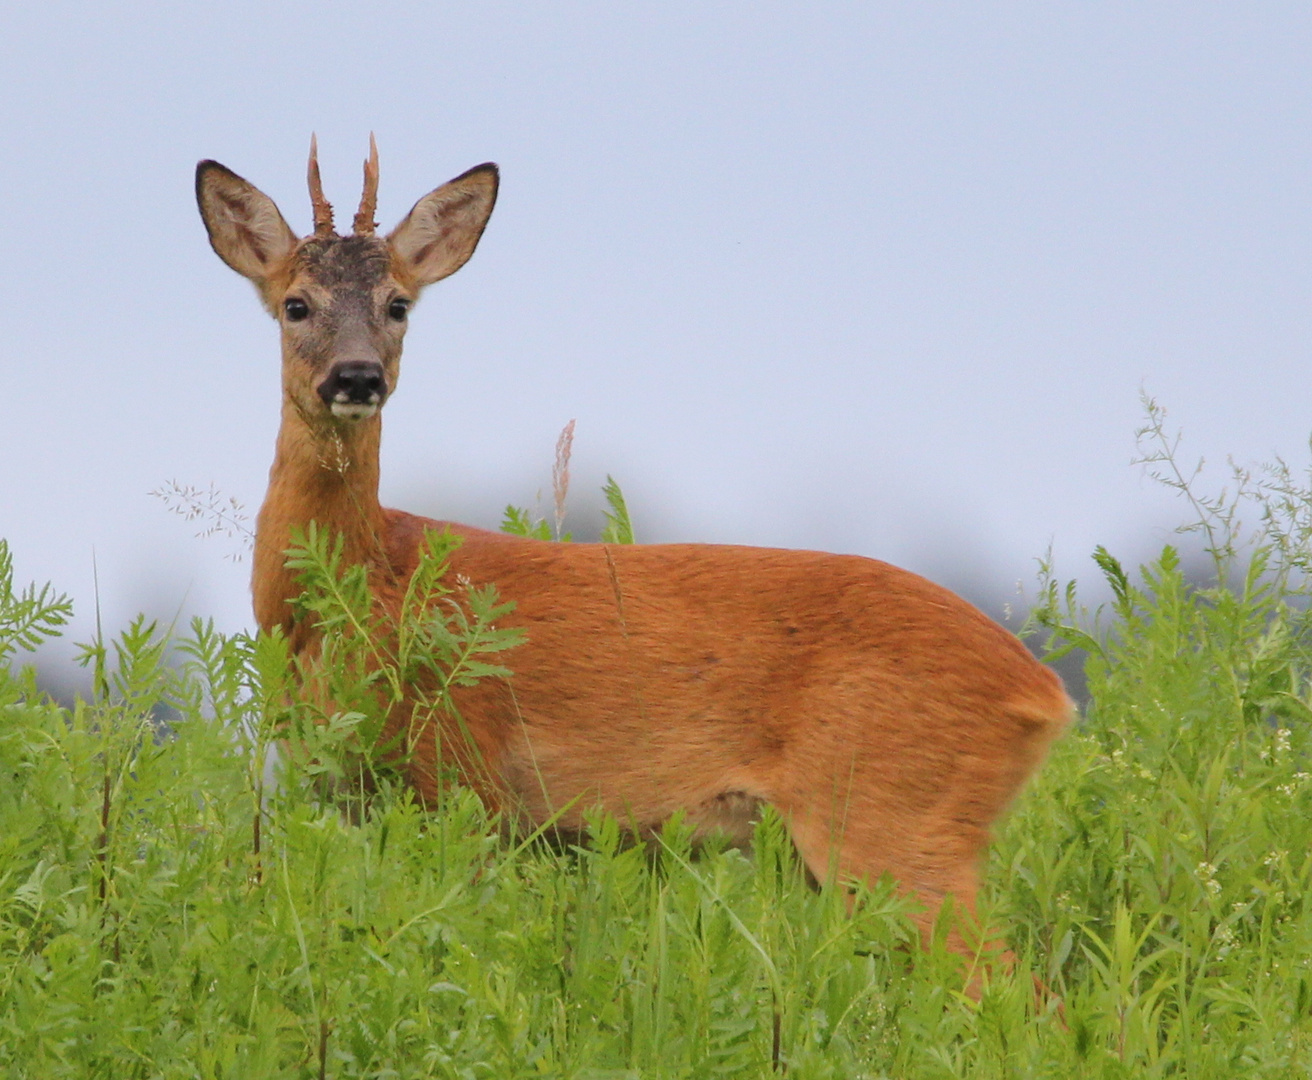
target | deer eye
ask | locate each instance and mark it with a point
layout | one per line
(397, 309)
(296, 308)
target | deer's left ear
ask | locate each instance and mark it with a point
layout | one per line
(246, 230)
(439, 235)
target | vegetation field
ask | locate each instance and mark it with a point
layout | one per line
(178, 900)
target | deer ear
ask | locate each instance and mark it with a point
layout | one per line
(246, 230)
(440, 233)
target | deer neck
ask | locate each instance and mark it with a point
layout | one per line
(324, 472)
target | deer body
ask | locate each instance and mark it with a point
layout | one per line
(889, 721)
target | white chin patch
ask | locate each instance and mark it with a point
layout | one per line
(345, 410)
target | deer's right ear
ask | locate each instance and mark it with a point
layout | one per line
(246, 230)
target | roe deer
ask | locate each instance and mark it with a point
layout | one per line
(889, 721)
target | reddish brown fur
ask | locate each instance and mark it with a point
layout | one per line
(888, 720)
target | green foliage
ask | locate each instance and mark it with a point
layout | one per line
(381, 678)
(1158, 866)
(618, 528)
(29, 617)
(519, 522)
(167, 911)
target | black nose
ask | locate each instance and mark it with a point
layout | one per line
(354, 382)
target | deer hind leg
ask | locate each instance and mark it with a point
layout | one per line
(933, 869)
(927, 829)
(953, 835)
(931, 865)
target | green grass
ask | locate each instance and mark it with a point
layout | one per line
(166, 911)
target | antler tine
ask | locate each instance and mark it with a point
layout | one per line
(323, 209)
(364, 217)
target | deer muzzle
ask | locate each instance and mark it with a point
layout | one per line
(354, 389)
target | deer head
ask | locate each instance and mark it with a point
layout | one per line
(342, 301)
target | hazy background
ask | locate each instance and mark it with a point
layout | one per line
(874, 278)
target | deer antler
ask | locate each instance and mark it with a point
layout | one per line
(364, 217)
(323, 209)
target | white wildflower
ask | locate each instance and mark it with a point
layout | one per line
(1206, 873)
(1225, 939)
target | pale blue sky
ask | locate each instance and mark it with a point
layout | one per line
(877, 278)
